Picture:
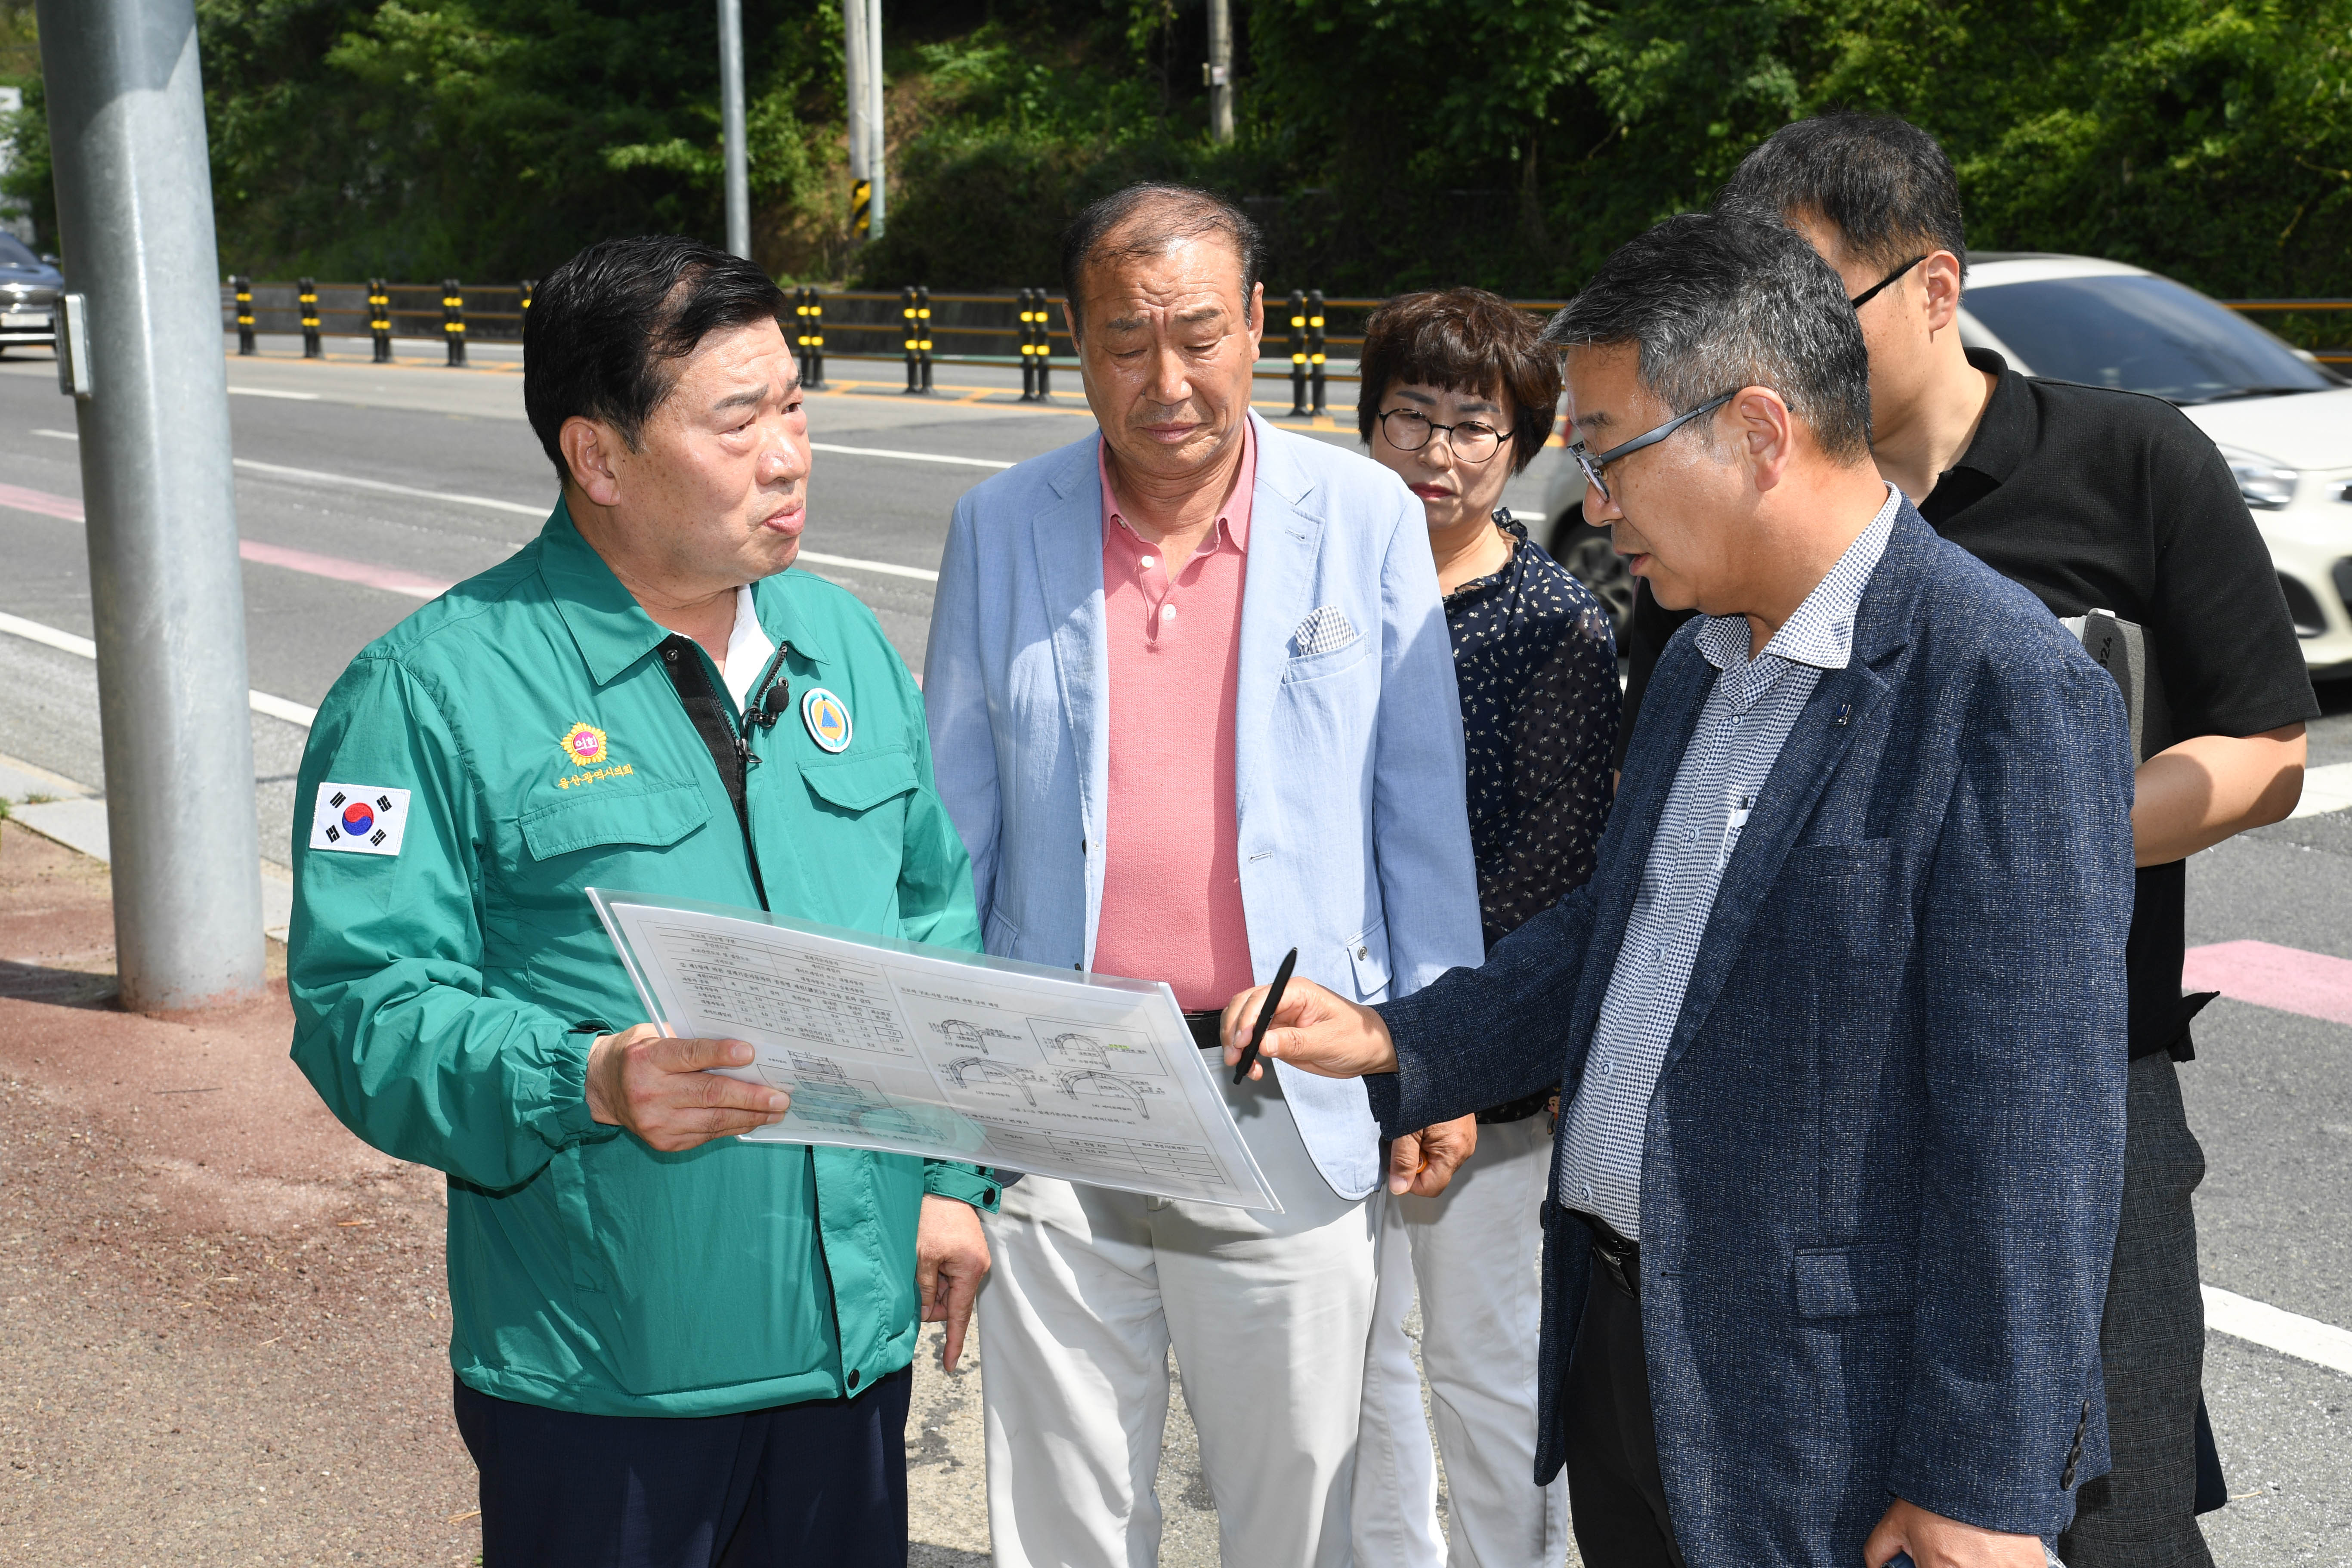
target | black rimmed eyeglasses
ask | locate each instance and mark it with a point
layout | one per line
(1409, 430)
(1867, 295)
(1593, 463)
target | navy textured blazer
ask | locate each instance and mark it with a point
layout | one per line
(1884, 1155)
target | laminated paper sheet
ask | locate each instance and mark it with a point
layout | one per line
(911, 1050)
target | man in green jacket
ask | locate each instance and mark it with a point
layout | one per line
(670, 1346)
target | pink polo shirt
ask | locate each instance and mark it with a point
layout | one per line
(1171, 902)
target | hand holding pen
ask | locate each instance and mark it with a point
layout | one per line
(1309, 1028)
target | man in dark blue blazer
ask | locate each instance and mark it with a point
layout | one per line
(1841, 1135)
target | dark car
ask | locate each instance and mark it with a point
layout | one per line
(30, 287)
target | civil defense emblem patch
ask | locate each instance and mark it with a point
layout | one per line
(827, 718)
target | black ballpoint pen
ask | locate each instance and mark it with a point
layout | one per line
(1265, 1014)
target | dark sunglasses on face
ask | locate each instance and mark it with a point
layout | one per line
(1593, 463)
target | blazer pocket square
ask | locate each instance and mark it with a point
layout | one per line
(1322, 631)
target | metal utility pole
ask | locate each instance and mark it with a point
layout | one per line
(876, 126)
(730, 122)
(135, 217)
(856, 102)
(1218, 73)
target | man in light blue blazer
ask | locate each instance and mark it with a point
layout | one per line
(1192, 704)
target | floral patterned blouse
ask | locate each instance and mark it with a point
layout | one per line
(1538, 670)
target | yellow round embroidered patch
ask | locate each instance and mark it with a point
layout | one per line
(584, 744)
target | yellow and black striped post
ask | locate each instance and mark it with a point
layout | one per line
(861, 209)
(800, 332)
(306, 293)
(814, 380)
(907, 323)
(379, 318)
(453, 319)
(923, 329)
(244, 287)
(1297, 355)
(1028, 349)
(1314, 348)
(1044, 346)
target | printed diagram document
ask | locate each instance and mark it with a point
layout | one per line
(921, 1050)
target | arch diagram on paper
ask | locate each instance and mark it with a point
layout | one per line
(1106, 1086)
(963, 1069)
(962, 1034)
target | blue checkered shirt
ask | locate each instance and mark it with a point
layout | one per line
(1748, 715)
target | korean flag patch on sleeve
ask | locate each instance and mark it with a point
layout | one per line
(358, 819)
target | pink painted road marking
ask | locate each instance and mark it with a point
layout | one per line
(2268, 975)
(38, 502)
(390, 579)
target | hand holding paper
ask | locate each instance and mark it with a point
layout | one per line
(661, 1087)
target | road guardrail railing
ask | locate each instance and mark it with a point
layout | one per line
(1025, 327)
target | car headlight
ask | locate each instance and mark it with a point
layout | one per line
(2263, 481)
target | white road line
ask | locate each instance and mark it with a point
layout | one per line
(854, 564)
(279, 471)
(847, 563)
(2258, 1322)
(907, 456)
(349, 481)
(270, 392)
(65, 642)
(2326, 789)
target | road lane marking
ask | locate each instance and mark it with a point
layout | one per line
(907, 456)
(65, 642)
(272, 391)
(40, 503)
(2326, 789)
(2289, 979)
(390, 579)
(852, 563)
(279, 471)
(351, 482)
(2258, 1322)
(48, 505)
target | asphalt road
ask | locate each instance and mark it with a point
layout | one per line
(339, 550)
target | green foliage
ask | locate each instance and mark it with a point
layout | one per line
(1383, 143)
(491, 138)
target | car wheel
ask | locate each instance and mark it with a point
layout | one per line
(1590, 558)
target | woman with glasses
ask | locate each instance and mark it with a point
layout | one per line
(1457, 396)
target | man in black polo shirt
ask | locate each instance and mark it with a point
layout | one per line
(2095, 499)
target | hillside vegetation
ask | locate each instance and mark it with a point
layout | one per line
(1383, 143)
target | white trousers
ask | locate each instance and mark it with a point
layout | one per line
(1268, 1315)
(1476, 1252)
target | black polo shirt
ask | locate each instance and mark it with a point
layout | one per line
(2100, 500)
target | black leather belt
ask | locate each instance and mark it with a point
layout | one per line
(1206, 1031)
(1619, 1260)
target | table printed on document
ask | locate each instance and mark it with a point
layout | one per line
(917, 1050)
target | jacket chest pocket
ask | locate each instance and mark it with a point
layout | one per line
(540, 922)
(643, 823)
(857, 842)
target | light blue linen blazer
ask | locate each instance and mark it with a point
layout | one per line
(1354, 841)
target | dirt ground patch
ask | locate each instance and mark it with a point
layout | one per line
(222, 1318)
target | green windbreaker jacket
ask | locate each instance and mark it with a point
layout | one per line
(512, 743)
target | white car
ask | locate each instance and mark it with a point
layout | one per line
(2282, 420)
